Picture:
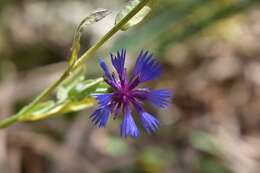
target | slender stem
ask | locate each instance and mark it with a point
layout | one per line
(49, 90)
(106, 37)
(11, 120)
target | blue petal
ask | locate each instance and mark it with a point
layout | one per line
(159, 98)
(104, 99)
(105, 68)
(110, 78)
(149, 122)
(128, 126)
(146, 67)
(119, 61)
(100, 117)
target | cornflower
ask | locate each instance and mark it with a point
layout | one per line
(126, 95)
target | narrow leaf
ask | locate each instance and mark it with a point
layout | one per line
(137, 18)
(96, 16)
(42, 110)
(88, 88)
(77, 106)
(71, 82)
(50, 108)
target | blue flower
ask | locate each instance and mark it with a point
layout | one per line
(126, 94)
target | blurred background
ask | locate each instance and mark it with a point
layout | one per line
(210, 50)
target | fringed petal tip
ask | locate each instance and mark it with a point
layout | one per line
(104, 67)
(100, 117)
(128, 127)
(159, 98)
(147, 67)
(149, 122)
(118, 61)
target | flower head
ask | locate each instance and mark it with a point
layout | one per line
(126, 94)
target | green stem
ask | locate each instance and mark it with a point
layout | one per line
(106, 37)
(9, 121)
(13, 119)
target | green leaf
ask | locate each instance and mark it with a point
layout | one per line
(42, 110)
(71, 82)
(74, 106)
(73, 95)
(88, 88)
(102, 88)
(50, 108)
(92, 18)
(46, 109)
(135, 19)
(42, 107)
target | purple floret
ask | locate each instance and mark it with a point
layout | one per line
(126, 94)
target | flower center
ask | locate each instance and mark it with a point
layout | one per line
(122, 95)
